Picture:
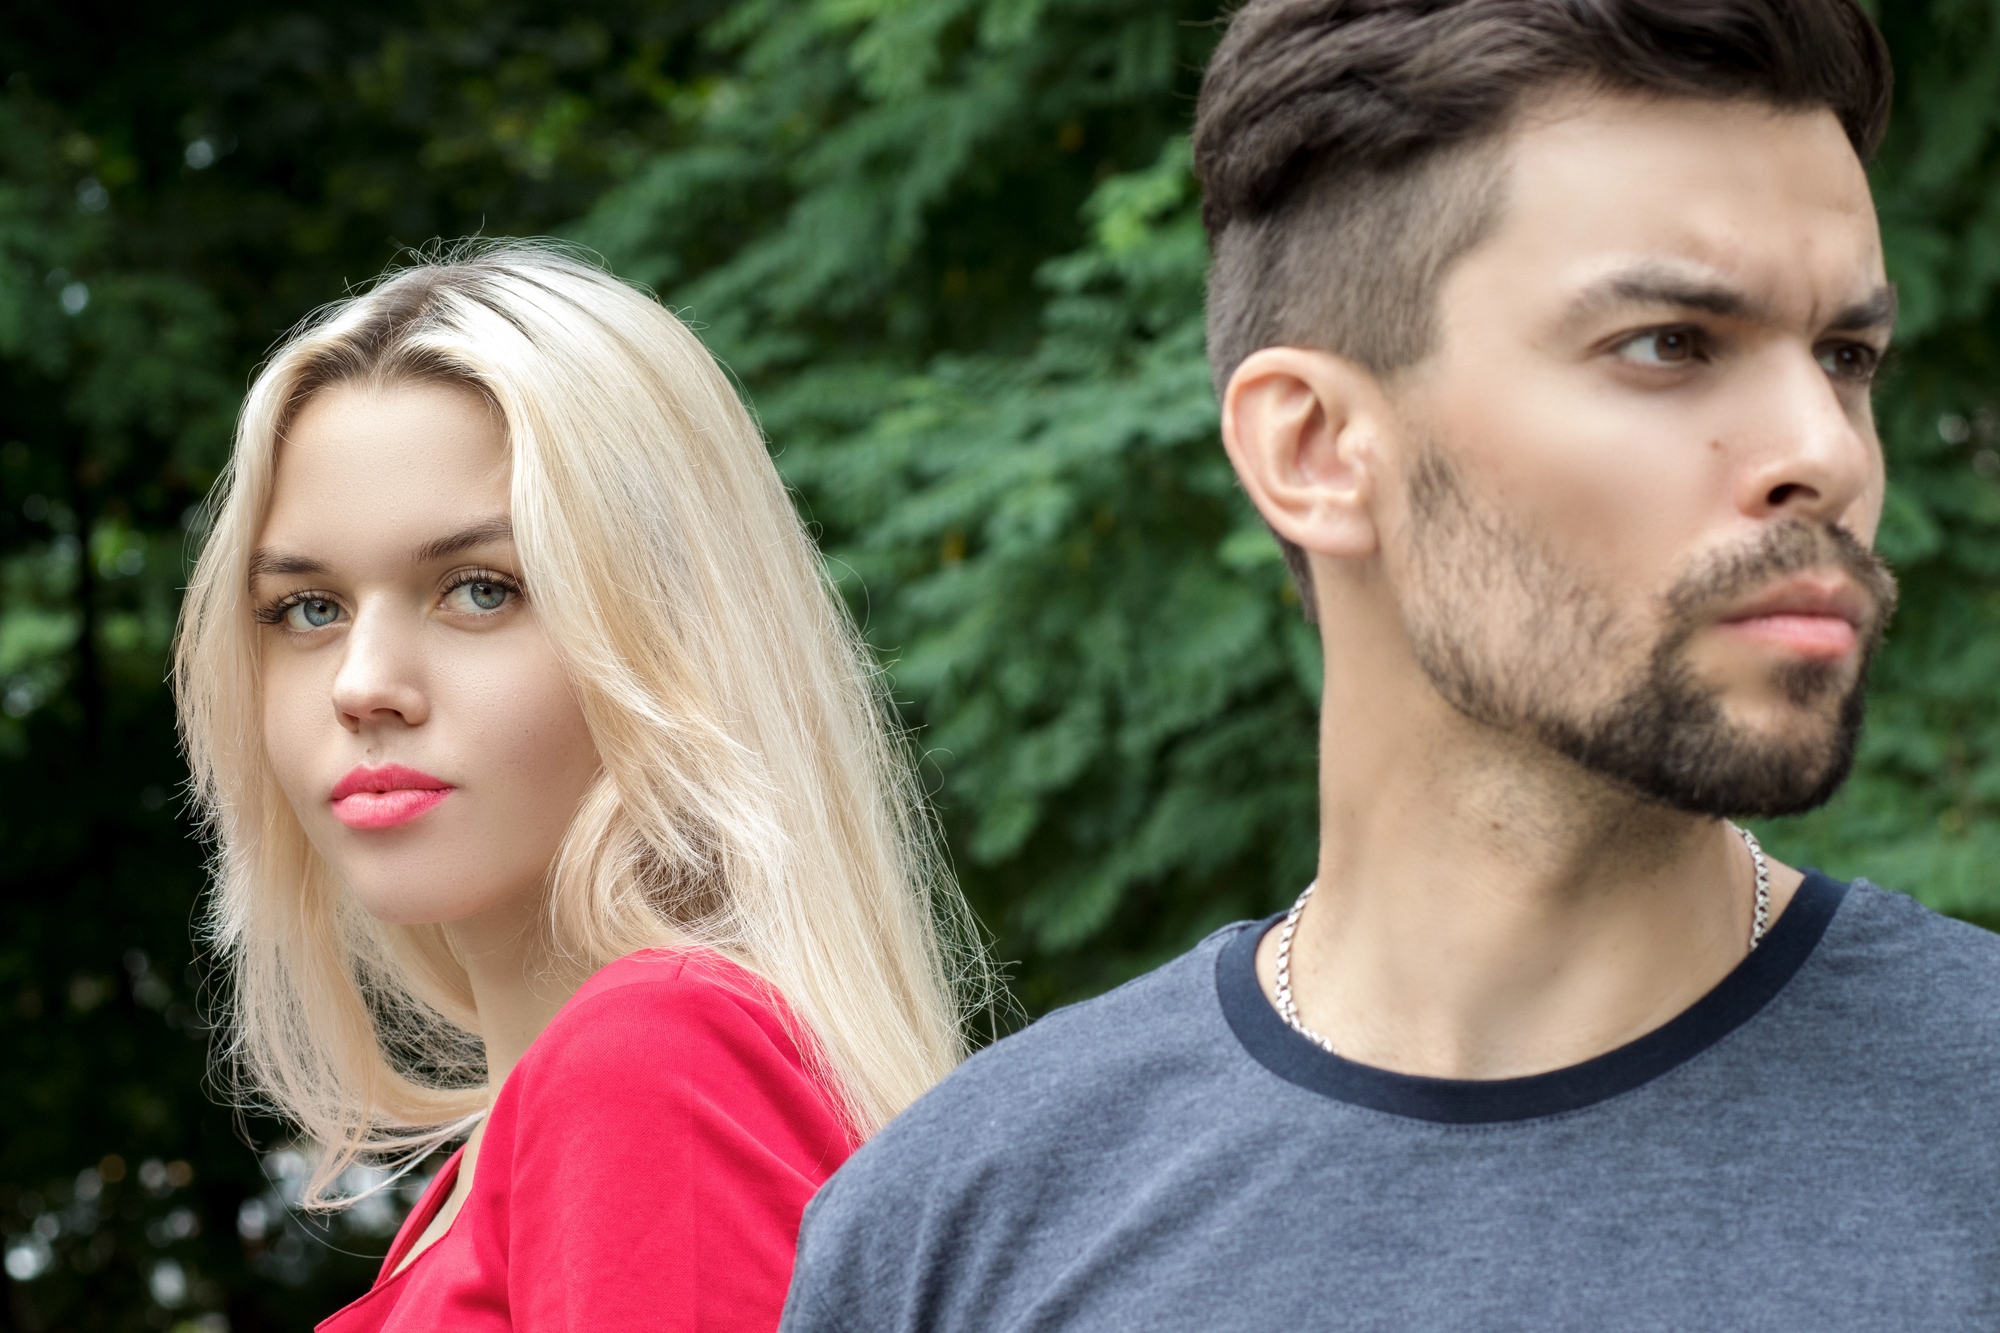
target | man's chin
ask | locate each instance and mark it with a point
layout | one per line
(1780, 724)
(1686, 748)
(1786, 770)
(1821, 687)
(1782, 781)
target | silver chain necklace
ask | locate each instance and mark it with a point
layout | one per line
(1288, 1010)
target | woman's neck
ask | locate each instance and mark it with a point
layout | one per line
(515, 988)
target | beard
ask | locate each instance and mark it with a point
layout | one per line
(1516, 640)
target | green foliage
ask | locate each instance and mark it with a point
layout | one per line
(951, 249)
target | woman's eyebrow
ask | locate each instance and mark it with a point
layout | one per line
(265, 562)
(495, 529)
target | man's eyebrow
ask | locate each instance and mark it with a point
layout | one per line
(1876, 311)
(266, 563)
(498, 528)
(1661, 285)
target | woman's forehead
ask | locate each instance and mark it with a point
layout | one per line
(366, 468)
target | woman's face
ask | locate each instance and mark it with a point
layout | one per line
(413, 710)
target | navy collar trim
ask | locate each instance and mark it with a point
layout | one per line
(1736, 999)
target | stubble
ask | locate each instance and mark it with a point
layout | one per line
(1515, 639)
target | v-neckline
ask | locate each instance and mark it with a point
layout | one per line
(420, 1221)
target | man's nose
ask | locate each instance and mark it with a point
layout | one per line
(1812, 453)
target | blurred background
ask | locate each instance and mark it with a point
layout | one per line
(950, 247)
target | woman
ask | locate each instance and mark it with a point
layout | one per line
(554, 802)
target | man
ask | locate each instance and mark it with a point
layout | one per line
(1545, 332)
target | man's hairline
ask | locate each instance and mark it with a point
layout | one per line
(1538, 108)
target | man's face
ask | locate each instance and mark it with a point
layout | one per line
(1642, 473)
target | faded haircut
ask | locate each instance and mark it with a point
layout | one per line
(1347, 149)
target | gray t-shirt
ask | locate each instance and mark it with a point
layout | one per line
(1814, 1145)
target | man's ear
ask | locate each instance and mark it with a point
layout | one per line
(1302, 429)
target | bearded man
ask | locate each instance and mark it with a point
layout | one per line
(1544, 332)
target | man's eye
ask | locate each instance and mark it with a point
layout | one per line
(1856, 362)
(1675, 346)
(311, 613)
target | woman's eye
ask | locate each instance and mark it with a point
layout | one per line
(1850, 361)
(1663, 347)
(478, 596)
(311, 613)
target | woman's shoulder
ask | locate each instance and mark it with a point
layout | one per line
(665, 1016)
(667, 1101)
(690, 979)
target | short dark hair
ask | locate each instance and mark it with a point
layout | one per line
(1340, 143)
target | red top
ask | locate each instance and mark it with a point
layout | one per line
(644, 1167)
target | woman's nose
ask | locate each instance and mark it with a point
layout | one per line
(380, 678)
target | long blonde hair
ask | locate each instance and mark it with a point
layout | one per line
(754, 797)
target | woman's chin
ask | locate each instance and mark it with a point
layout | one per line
(417, 901)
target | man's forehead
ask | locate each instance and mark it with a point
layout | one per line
(1762, 210)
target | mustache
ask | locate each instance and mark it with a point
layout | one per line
(1788, 548)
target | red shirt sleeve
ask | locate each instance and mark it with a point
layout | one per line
(656, 1147)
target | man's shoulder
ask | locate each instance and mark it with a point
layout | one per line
(1164, 1019)
(1008, 1146)
(1924, 966)
(1889, 1034)
(1895, 930)
(1073, 1070)
(1898, 999)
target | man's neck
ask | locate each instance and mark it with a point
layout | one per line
(1488, 910)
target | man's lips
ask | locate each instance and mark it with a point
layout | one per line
(372, 798)
(1817, 617)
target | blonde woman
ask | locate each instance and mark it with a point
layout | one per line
(554, 802)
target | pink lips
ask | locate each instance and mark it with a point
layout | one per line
(1806, 617)
(1803, 636)
(371, 798)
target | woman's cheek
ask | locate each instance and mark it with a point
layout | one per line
(533, 754)
(294, 730)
